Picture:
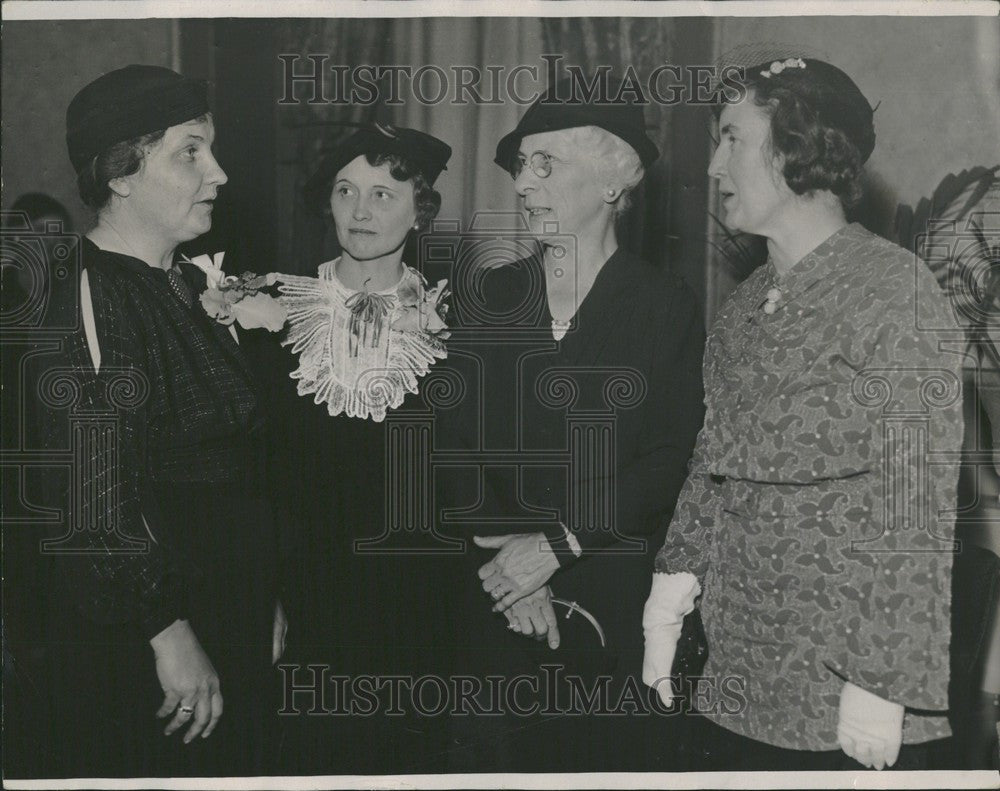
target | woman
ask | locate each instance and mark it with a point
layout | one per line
(819, 540)
(361, 335)
(597, 390)
(172, 540)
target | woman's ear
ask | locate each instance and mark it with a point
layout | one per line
(120, 187)
(778, 174)
(611, 193)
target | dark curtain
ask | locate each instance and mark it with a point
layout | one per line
(667, 222)
(304, 132)
(269, 149)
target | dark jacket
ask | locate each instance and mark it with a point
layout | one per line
(593, 432)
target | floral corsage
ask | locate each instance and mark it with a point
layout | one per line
(421, 309)
(240, 299)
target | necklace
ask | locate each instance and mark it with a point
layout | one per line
(131, 250)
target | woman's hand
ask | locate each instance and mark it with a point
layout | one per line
(870, 729)
(524, 564)
(190, 683)
(280, 632)
(533, 616)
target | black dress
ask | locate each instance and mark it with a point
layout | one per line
(594, 431)
(188, 462)
(361, 603)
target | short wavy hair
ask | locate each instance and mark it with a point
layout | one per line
(118, 161)
(817, 153)
(616, 160)
(426, 199)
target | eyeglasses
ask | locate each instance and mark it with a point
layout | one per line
(539, 162)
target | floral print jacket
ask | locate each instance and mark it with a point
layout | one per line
(819, 510)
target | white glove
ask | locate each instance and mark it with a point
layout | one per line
(671, 598)
(870, 729)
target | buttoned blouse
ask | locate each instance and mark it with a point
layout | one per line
(819, 508)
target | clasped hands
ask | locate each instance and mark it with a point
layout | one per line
(516, 580)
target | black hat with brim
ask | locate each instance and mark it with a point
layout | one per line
(425, 152)
(563, 107)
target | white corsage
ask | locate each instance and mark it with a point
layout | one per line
(421, 309)
(240, 299)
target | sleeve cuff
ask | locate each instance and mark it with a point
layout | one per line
(563, 544)
(171, 607)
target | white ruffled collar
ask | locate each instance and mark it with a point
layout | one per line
(350, 356)
(328, 271)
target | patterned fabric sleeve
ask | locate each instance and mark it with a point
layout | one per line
(892, 630)
(699, 504)
(116, 583)
(689, 536)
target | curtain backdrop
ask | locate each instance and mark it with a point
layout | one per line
(641, 44)
(472, 183)
(304, 131)
(667, 224)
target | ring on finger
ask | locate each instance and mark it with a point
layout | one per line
(496, 593)
(187, 709)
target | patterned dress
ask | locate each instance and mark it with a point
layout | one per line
(819, 510)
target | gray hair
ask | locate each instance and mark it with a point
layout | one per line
(615, 159)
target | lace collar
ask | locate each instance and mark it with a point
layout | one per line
(350, 356)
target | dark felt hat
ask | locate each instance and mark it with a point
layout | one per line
(564, 107)
(126, 103)
(835, 97)
(425, 152)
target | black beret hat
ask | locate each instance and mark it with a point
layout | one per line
(562, 107)
(127, 103)
(425, 152)
(835, 97)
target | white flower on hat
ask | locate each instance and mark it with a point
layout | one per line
(778, 66)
